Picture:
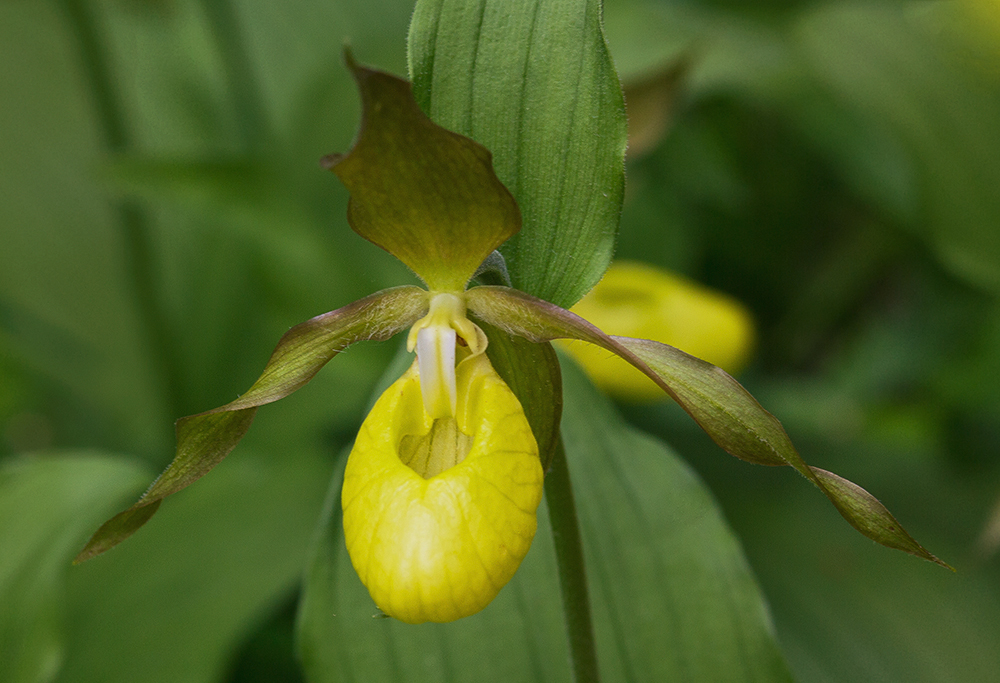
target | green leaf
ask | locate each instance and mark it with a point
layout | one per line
(424, 194)
(47, 505)
(532, 81)
(175, 603)
(532, 373)
(672, 595)
(900, 70)
(717, 402)
(203, 440)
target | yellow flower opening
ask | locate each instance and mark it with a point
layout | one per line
(439, 512)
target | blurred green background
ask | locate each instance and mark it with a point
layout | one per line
(163, 220)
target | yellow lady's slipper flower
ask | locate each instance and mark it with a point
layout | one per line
(442, 486)
(639, 300)
(439, 512)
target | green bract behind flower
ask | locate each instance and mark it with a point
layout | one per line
(439, 513)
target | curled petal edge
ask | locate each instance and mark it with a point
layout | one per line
(726, 411)
(203, 440)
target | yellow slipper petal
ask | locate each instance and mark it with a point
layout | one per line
(438, 514)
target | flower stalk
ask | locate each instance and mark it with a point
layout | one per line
(568, 545)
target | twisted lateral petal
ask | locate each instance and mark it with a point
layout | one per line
(203, 440)
(437, 538)
(717, 402)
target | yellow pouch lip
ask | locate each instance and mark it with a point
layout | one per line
(441, 548)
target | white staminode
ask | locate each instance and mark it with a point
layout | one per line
(435, 337)
(436, 359)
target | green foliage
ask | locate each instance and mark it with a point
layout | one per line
(831, 164)
(47, 504)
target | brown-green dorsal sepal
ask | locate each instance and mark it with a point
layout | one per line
(424, 194)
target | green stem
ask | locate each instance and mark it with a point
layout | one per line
(250, 116)
(132, 220)
(572, 573)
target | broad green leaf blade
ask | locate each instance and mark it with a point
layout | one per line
(718, 403)
(532, 81)
(672, 596)
(203, 440)
(47, 505)
(532, 373)
(176, 602)
(424, 194)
